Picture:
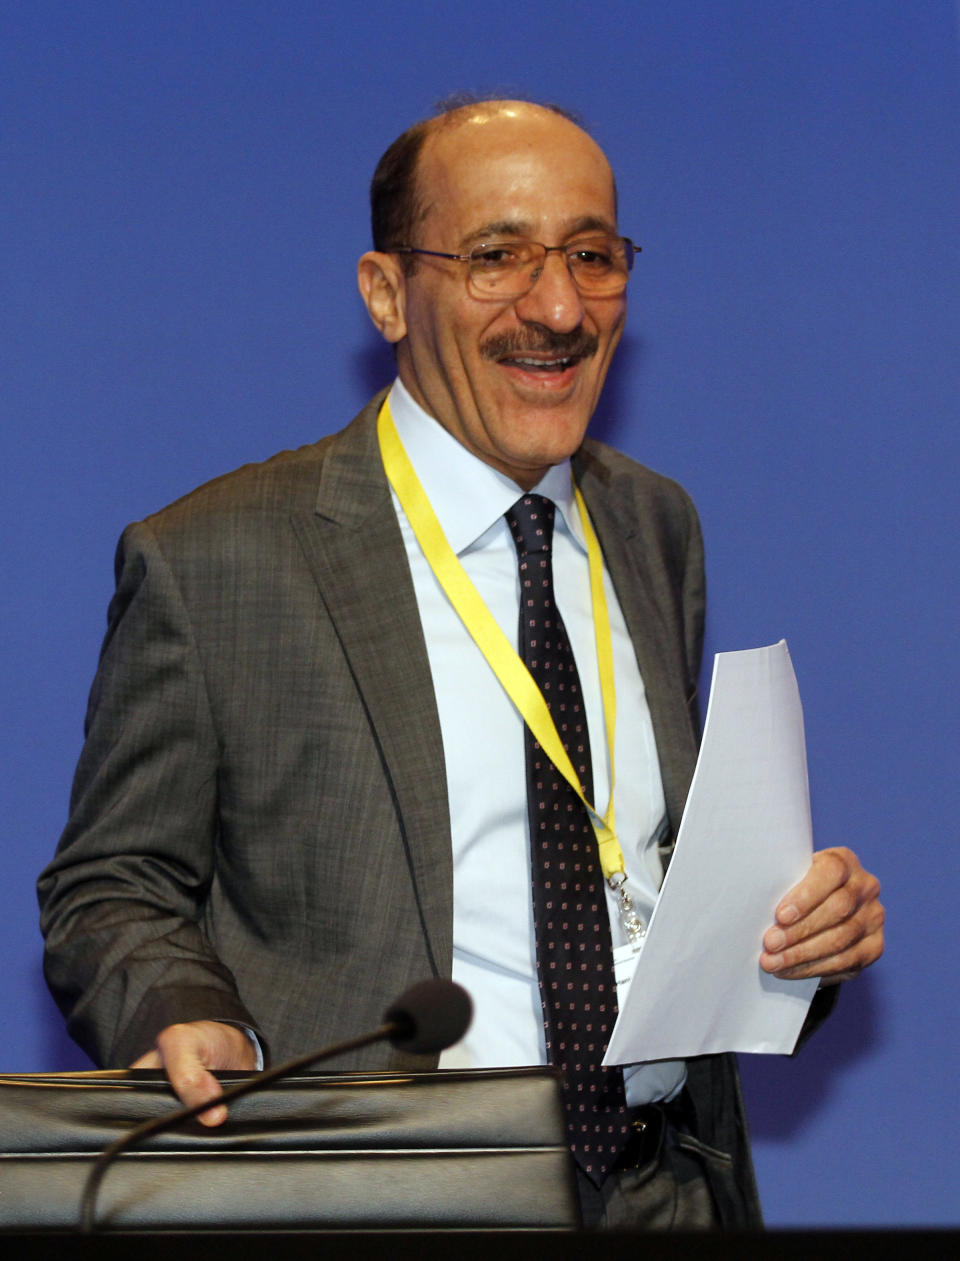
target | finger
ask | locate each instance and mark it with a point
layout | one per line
(192, 1082)
(830, 869)
(150, 1060)
(844, 949)
(843, 905)
(835, 968)
(195, 1086)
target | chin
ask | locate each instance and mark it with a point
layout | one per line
(533, 464)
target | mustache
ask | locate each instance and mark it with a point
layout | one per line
(577, 344)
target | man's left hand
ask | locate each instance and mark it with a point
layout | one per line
(829, 925)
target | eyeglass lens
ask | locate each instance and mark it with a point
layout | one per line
(598, 265)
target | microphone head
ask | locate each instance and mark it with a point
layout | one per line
(430, 1016)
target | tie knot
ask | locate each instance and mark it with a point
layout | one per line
(531, 523)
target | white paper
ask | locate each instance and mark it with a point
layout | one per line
(744, 840)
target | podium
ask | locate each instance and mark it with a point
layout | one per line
(461, 1151)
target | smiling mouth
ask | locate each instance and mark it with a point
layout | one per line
(530, 364)
(551, 354)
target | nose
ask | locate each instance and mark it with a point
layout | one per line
(554, 299)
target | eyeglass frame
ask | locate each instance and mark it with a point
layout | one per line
(630, 253)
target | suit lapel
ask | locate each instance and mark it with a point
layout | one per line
(647, 609)
(354, 547)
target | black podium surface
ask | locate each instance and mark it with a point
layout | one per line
(461, 1158)
(481, 1150)
(531, 1245)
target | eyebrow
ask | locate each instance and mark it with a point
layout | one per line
(522, 227)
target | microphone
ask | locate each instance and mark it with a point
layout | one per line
(428, 1017)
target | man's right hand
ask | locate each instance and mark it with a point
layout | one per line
(187, 1052)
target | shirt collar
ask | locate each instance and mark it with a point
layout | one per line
(467, 495)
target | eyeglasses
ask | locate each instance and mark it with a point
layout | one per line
(599, 265)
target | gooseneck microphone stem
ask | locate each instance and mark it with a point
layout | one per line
(170, 1120)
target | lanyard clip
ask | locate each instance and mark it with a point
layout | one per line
(631, 923)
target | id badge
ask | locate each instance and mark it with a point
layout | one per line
(624, 965)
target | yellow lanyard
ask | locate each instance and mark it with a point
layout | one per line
(500, 654)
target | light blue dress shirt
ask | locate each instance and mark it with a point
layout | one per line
(493, 943)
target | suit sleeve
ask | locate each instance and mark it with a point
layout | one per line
(121, 903)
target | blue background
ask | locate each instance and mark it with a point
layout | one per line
(183, 199)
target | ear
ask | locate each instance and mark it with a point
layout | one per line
(382, 288)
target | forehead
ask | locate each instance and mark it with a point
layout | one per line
(524, 168)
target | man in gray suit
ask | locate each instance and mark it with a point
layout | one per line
(290, 805)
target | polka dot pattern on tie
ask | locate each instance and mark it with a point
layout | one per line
(574, 956)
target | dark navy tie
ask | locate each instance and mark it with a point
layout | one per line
(574, 955)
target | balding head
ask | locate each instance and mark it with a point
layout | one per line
(396, 206)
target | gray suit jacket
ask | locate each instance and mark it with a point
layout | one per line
(259, 827)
